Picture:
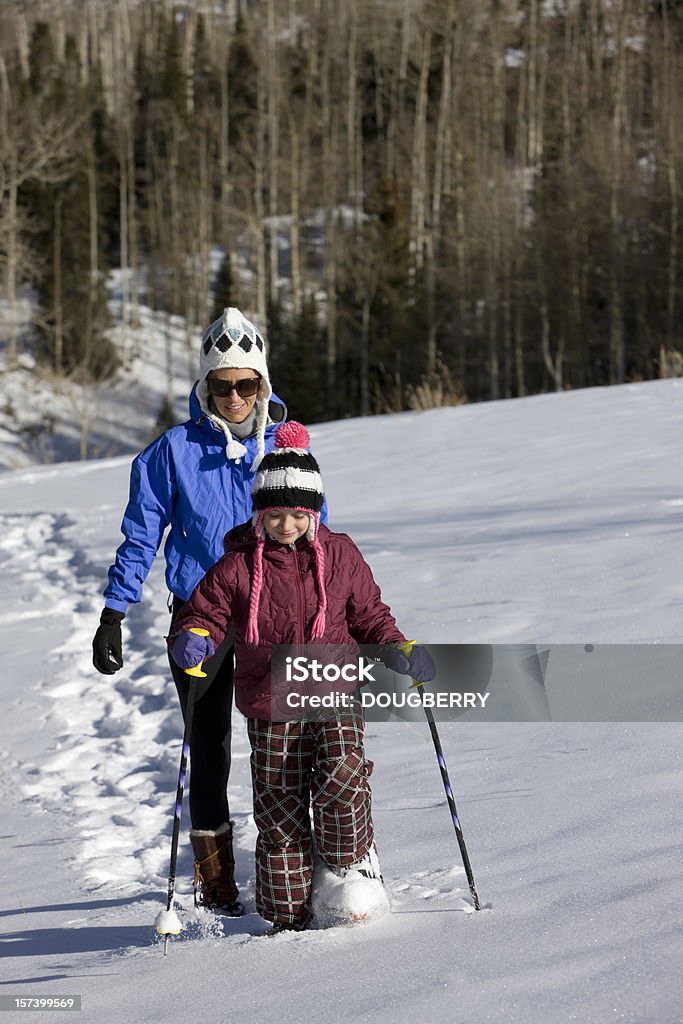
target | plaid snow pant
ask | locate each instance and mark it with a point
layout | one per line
(295, 765)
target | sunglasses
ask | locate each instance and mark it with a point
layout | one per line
(222, 388)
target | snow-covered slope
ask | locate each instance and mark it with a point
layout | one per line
(545, 520)
(48, 419)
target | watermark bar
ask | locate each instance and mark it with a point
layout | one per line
(483, 682)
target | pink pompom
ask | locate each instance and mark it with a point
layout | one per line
(292, 435)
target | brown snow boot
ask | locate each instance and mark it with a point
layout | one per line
(214, 871)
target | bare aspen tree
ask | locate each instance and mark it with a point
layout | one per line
(273, 131)
(459, 191)
(11, 180)
(127, 115)
(442, 153)
(353, 138)
(313, 45)
(671, 131)
(617, 20)
(224, 148)
(123, 223)
(566, 96)
(83, 42)
(259, 208)
(496, 148)
(35, 151)
(295, 214)
(105, 39)
(57, 307)
(537, 44)
(330, 164)
(419, 182)
(58, 24)
(203, 284)
(22, 40)
(188, 57)
(364, 272)
(93, 232)
(397, 110)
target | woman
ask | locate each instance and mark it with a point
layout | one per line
(196, 478)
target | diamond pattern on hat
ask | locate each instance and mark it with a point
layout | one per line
(223, 337)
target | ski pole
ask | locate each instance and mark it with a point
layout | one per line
(406, 648)
(167, 922)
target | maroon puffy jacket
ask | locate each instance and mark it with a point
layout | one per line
(288, 605)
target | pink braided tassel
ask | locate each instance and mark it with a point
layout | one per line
(319, 621)
(252, 634)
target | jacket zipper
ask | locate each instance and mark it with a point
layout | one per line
(300, 599)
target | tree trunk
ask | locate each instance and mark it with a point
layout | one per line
(224, 154)
(58, 309)
(12, 250)
(259, 227)
(204, 203)
(123, 226)
(616, 315)
(330, 162)
(355, 184)
(365, 358)
(94, 267)
(272, 101)
(419, 165)
(295, 213)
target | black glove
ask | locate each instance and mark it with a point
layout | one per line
(107, 650)
(418, 663)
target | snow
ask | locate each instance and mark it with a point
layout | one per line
(167, 922)
(547, 520)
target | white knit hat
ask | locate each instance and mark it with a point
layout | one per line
(232, 342)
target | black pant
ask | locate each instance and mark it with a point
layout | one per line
(210, 739)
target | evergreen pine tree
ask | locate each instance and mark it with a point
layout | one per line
(225, 291)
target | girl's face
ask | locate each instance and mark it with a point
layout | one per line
(232, 406)
(285, 525)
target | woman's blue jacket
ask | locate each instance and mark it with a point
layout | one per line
(184, 481)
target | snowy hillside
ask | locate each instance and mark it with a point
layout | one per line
(46, 419)
(544, 520)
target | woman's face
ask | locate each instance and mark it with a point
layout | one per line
(285, 525)
(234, 407)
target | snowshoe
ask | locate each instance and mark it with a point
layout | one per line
(278, 929)
(349, 895)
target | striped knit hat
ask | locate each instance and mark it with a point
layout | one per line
(288, 477)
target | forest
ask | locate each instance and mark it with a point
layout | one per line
(422, 202)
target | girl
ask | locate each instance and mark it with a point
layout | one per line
(287, 579)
